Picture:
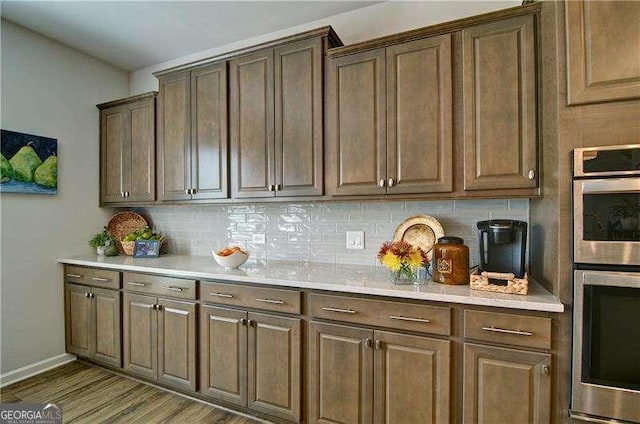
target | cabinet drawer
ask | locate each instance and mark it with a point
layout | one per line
(517, 330)
(92, 276)
(405, 316)
(251, 297)
(162, 286)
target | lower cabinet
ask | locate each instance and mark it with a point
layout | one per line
(93, 323)
(359, 375)
(159, 340)
(251, 360)
(503, 385)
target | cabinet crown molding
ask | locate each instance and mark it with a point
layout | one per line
(150, 94)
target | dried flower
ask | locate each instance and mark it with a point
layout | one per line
(400, 255)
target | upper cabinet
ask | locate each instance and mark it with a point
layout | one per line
(603, 45)
(192, 134)
(276, 118)
(500, 108)
(390, 119)
(127, 150)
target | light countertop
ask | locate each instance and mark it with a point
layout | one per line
(360, 279)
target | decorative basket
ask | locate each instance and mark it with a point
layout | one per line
(514, 285)
(122, 224)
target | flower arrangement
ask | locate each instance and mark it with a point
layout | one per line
(402, 259)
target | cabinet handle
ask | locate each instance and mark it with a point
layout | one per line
(506, 331)
(367, 342)
(342, 311)
(391, 182)
(101, 279)
(74, 275)
(175, 289)
(546, 369)
(251, 322)
(274, 301)
(532, 174)
(277, 187)
(401, 318)
(381, 183)
(133, 283)
(378, 345)
(243, 321)
(221, 295)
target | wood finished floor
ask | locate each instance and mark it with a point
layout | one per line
(90, 394)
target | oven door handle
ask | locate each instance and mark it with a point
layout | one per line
(610, 185)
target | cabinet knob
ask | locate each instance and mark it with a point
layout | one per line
(194, 191)
(391, 182)
(367, 342)
(187, 191)
(86, 294)
(277, 187)
(122, 194)
(381, 183)
(378, 345)
(546, 369)
(251, 322)
(243, 321)
(126, 194)
(532, 174)
(272, 187)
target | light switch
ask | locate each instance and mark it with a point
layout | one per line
(355, 240)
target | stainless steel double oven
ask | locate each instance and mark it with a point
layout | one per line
(606, 313)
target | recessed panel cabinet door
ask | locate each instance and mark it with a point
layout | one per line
(340, 371)
(499, 89)
(419, 111)
(174, 143)
(223, 354)
(113, 140)
(298, 118)
(140, 335)
(209, 131)
(505, 385)
(177, 344)
(357, 124)
(251, 119)
(141, 152)
(274, 365)
(106, 312)
(79, 336)
(411, 382)
(603, 41)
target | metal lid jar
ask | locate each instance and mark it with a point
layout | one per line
(451, 261)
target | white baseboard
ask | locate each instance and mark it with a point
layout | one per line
(35, 369)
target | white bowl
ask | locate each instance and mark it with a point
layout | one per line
(234, 260)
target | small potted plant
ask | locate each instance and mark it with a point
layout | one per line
(104, 243)
(403, 260)
(628, 211)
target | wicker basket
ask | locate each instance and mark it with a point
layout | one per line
(124, 223)
(514, 285)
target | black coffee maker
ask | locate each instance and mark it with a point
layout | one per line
(502, 246)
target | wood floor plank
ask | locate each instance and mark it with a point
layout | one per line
(89, 394)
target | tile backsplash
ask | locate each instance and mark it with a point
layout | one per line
(316, 231)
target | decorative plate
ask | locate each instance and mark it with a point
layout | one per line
(124, 223)
(422, 231)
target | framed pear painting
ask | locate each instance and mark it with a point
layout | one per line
(29, 163)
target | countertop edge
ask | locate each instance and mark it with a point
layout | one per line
(435, 297)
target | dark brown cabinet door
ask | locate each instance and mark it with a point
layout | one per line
(411, 382)
(340, 374)
(209, 132)
(174, 137)
(79, 337)
(223, 354)
(500, 112)
(106, 326)
(140, 328)
(251, 125)
(357, 124)
(505, 385)
(141, 151)
(603, 41)
(177, 344)
(419, 111)
(274, 366)
(298, 118)
(113, 141)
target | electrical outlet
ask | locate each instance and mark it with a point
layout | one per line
(258, 238)
(355, 240)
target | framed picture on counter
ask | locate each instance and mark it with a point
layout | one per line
(146, 249)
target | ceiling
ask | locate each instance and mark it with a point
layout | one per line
(135, 34)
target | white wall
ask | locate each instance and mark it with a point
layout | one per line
(51, 90)
(358, 25)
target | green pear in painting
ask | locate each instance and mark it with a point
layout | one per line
(24, 164)
(6, 172)
(47, 174)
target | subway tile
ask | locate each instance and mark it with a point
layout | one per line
(342, 207)
(427, 206)
(518, 204)
(480, 204)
